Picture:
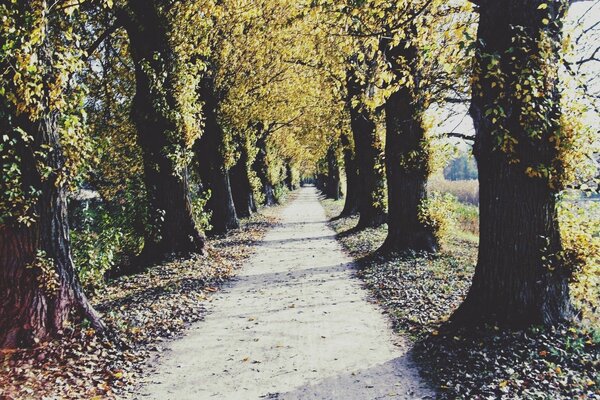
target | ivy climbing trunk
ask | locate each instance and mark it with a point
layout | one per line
(261, 167)
(39, 289)
(241, 187)
(519, 278)
(35, 303)
(406, 159)
(211, 162)
(370, 173)
(173, 228)
(352, 185)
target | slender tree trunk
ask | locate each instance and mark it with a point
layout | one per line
(261, 167)
(241, 188)
(368, 154)
(352, 185)
(520, 278)
(39, 289)
(174, 230)
(406, 160)
(211, 162)
(333, 190)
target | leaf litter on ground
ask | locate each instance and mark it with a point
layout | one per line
(419, 292)
(141, 311)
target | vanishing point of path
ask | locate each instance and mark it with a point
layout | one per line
(295, 324)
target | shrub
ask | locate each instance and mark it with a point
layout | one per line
(580, 233)
(201, 216)
(437, 212)
(105, 235)
(448, 216)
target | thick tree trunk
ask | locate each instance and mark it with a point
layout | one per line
(368, 154)
(174, 230)
(352, 185)
(241, 188)
(406, 161)
(520, 278)
(36, 303)
(261, 167)
(333, 189)
(211, 162)
(39, 289)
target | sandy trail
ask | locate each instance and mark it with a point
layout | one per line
(295, 324)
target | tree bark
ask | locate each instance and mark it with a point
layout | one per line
(261, 167)
(289, 176)
(519, 278)
(211, 162)
(174, 230)
(370, 175)
(241, 188)
(352, 185)
(406, 159)
(36, 303)
(333, 190)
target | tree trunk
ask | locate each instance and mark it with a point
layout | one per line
(333, 190)
(370, 174)
(352, 185)
(289, 177)
(406, 160)
(241, 188)
(261, 167)
(211, 162)
(174, 230)
(39, 289)
(520, 278)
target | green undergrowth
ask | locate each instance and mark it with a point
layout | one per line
(419, 292)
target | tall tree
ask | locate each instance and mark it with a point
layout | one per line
(39, 290)
(406, 149)
(261, 167)
(241, 186)
(520, 278)
(159, 134)
(333, 186)
(210, 157)
(352, 185)
(368, 154)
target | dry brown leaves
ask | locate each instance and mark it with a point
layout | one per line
(419, 292)
(141, 311)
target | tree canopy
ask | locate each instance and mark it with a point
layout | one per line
(182, 116)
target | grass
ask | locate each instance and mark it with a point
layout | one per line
(419, 292)
(466, 191)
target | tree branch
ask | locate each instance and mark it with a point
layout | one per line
(460, 136)
(109, 31)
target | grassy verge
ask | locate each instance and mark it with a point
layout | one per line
(419, 292)
(142, 311)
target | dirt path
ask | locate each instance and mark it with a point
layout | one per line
(295, 324)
